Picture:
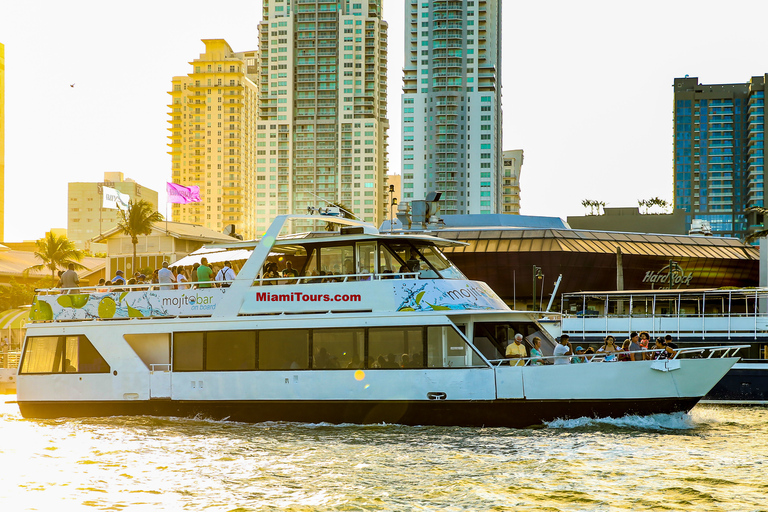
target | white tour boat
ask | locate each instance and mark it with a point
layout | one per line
(375, 328)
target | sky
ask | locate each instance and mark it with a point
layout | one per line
(586, 91)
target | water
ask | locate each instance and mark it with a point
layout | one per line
(715, 458)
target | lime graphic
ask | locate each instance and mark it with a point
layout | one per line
(418, 297)
(436, 307)
(79, 300)
(134, 313)
(107, 307)
(64, 301)
(41, 310)
(406, 309)
(122, 296)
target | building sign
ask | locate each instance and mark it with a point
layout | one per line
(672, 272)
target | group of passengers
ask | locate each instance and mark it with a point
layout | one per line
(199, 275)
(325, 360)
(635, 348)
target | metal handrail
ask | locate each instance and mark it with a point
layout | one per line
(725, 351)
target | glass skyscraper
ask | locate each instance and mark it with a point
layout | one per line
(451, 104)
(719, 137)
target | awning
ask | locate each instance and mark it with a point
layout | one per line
(213, 257)
(14, 318)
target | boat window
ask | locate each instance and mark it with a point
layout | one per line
(388, 262)
(337, 260)
(338, 348)
(366, 258)
(399, 347)
(230, 350)
(439, 262)
(62, 354)
(284, 350)
(447, 349)
(188, 351)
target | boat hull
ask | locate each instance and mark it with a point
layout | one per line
(482, 413)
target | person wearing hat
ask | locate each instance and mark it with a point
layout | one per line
(563, 351)
(118, 279)
(579, 357)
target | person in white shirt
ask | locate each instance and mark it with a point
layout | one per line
(563, 351)
(225, 274)
(165, 277)
(181, 278)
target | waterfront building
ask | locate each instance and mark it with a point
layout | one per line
(2, 141)
(510, 193)
(630, 220)
(86, 216)
(214, 144)
(168, 241)
(719, 141)
(451, 104)
(323, 88)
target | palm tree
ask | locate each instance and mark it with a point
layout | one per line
(138, 220)
(56, 251)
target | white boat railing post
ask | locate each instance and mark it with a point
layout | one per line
(729, 314)
(631, 309)
(583, 315)
(653, 313)
(678, 315)
(703, 316)
(605, 314)
(755, 331)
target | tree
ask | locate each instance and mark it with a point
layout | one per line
(17, 294)
(56, 252)
(593, 205)
(654, 201)
(138, 220)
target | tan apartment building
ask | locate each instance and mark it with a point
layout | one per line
(87, 218)
(510, 186)
(213, 139)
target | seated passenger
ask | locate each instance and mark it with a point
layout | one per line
(589, 354)
(663, 350)
(579, 357)
(516, 351)
(405, 361)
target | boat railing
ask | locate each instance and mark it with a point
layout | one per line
(716, 351)
(331, 278)
(10, 359)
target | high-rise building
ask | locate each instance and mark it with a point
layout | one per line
(87, 218)
(213, 140)
(452, 123)
(510, 194)
(2, 142)
(719, 148)
(323, 100)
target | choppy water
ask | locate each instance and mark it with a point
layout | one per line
(716, 458)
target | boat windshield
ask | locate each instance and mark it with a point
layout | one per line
(440, 263)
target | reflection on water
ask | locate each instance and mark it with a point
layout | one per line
(714, 458)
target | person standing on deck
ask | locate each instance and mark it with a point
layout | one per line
(165, 277)
(204, 274)
(226, 274)
(69, 279)
(563, 351)
(516, 350)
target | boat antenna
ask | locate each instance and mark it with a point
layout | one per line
(337, 206)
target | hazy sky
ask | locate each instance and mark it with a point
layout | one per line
(587, 91)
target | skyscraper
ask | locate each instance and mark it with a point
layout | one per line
(323, 99)
(213, 139)
(510, 195)
(452, 123)
(719, 145)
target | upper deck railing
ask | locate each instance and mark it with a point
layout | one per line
(738, 313)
